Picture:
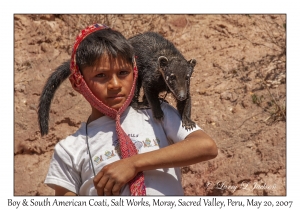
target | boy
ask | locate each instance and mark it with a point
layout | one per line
(100, 158)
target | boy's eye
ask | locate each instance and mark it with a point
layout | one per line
(100, 75)
(124, 72)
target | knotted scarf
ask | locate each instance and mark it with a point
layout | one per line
(128, 149)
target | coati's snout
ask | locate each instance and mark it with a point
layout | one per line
(177, 75)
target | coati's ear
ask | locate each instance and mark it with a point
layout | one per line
(162, 61)
(192, 62)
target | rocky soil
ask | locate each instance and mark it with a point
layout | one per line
(238, 93)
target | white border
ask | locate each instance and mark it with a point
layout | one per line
(9, 8)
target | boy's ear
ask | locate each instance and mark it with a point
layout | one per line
(75, 87)
(73, 83)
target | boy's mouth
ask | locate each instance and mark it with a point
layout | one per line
(118, 96)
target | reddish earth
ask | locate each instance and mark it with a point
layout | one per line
(238, 93)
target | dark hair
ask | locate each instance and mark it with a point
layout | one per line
(105, 41)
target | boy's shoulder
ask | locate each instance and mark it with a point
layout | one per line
(169, 110)
(166, 108)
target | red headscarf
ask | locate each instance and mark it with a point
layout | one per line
(137, 184)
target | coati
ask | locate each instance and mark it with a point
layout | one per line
(161, 68)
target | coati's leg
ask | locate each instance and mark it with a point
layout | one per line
(184, 109)
(144, 104)
(153, 100)
(145, 101)
(135, 100)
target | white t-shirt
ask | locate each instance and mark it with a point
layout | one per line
(70, 166)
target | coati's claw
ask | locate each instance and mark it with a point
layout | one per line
(188, 124)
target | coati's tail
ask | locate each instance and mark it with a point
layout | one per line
(53, 82)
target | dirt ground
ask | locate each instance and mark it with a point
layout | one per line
(238, 91)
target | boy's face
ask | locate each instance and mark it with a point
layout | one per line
(110, 80)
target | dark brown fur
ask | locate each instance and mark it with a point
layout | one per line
(162, 68)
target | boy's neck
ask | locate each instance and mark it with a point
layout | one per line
(94, 115)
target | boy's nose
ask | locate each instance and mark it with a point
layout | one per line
(114, 83)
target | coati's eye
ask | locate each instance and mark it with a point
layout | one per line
(172, 77)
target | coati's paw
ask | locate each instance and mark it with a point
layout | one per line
(139, 105)
(188, 124)
(135, 105)
(158, 114)
(142, 105)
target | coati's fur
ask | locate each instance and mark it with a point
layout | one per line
(53, 82)
(161, 68)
